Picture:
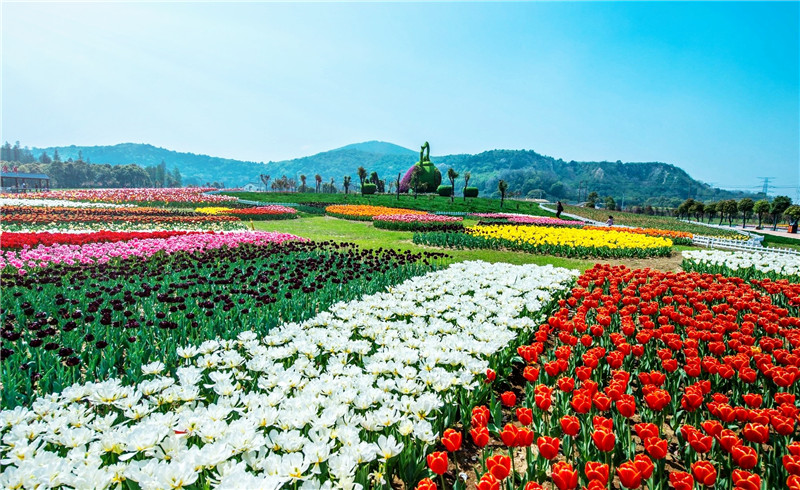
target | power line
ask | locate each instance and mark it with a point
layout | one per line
(766, 185)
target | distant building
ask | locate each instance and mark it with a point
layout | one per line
(20, 182)
(253, 187)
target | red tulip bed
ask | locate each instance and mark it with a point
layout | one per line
(643, 379)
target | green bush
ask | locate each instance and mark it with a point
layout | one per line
(445, 190)
(471, 192)
(368, 189)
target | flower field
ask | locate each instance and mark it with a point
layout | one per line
(71, 320)
(59, 203)
(184, 357)
(142, 196)
(21, 240)
(747, 265)
(521, 219)
(418, 222)
(258, 213)
(677, 237)
(647, 379)
(566, 242)
(102, 252)
(360, 212)
(67, 219)
(352, 397)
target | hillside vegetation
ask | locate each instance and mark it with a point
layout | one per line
(527, 173)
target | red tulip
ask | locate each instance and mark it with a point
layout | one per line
(488, 482)
(564, 476)
(629, 475)
(451, 440)
(704, 473)
(681, 480)
(508, 398)
(543, 396)
(437, 462)
(532, 485)
(626, 406)
(581, 403)
(792, 464)
(480, 436)
(570, 425)
(753, 400)
(604, 439)
(548, 446)
(426, 484)
(656, 447)
(509, 435)
(530, 373)
(524, 437)
(596, 471)
(744, 456)
(644, 465)
(646, 430)
(757, 433)
(657, 399)
(499, 466)
(744, 480)
(525, 416)
(490, 376)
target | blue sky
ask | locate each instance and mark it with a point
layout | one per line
(711, 87)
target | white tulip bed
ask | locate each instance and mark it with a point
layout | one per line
(749, 265)
(351, 398)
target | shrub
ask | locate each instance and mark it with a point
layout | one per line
(368, 189)
(471, 192)
(445, 190)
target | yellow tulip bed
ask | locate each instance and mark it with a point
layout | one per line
(565, 242)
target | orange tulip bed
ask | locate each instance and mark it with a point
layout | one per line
(359, 212)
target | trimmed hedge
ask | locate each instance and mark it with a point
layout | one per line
(445, 190)
(471, 192)
(368, 189)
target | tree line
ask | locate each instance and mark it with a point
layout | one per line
(729, 210)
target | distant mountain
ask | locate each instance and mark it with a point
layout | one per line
(528, 173)
(379, 147)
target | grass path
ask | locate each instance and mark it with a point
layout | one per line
(365, 235)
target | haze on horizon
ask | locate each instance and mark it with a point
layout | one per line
(711, 87)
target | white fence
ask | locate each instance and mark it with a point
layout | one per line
(748, 246)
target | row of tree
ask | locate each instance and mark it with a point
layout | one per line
(82, 174)
(731, 209)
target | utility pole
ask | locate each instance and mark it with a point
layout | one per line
(765, 188)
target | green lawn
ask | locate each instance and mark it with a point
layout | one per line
(772, 241)
(364, 234)
(426, 202)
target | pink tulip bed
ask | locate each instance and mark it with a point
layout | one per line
(418, 222)
(152, 196)
(90, 253)
(522, 219)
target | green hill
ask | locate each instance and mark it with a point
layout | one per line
(529, 174)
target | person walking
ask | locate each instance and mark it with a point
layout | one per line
(610, 221)
(559, 209)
